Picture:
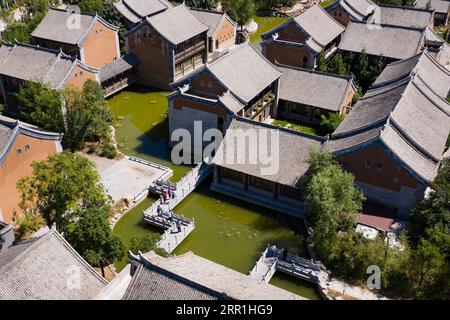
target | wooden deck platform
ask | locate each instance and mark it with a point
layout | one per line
(172, 237)
(272, 260)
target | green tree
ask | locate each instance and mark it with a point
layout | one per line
(61, 188)
(79, 114)
(92, 237)
(330, 122)
(337, 65)
(241, 11)
(202, 4)
(90, 6)
(111, 15)
(34, 12)
(321, 62)
(146, 243)
(40, 105)
(434, 210)
(331, 204)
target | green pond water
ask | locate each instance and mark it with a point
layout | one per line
(228, 231)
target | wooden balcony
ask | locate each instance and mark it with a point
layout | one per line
(260, 105)
(118, 84)
(198, 47)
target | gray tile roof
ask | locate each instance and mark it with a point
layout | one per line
(440, 6)
(404, 16)
(231, 102)
(118, 66)
(397, 70)
(177, 24)
(423, 65)
(357, 9)
(312, 88)
(219, 278)
(11, 128)
(387, 41)
(209, 18)
(7, 136)
(33, 63)
(320, 26)
(152, 283)
(407, 112)
(135, 10)
(442, 55)
(40, 269)
(59, 25)
(294, 150)
(126, 12)
(244, 71)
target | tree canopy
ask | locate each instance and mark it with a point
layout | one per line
(241, 11)
(202, 4)
(66, 190)
(80, 114)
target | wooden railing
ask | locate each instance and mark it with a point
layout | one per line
(260, 105)
(189, 51)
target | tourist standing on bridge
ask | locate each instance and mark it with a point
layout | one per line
(158, 210)
(285, 253)
(165, 196)
(178, 226)
(170, 215)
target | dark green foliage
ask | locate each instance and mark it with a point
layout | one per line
(271, 4)
(241, 11)
(418, 271)
(433, 211)
(90, 6)
(66, 190)
(79, 114)
(365, 69)
(321, 62)
(61, 188)
(40, 105)
(330, 122)
(202, 4)
(337, 66)
(92, 237)
(111, 15)
(35, 11)
(108, 151)
(146, 243)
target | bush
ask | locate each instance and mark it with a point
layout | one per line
(331, 122)
(108, 151)
(28, 224)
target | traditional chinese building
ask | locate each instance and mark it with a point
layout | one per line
(298, 41)
(305, 95)
(345, 11)
(188, 276)
(395, 137)
(441, 9)
(222, 29)
(133, 11)
(88, 37)
(21, 63)
(169, 46)
(238, 175)
(388, 41)
(240, 82)
(46, 267)
(20, 145)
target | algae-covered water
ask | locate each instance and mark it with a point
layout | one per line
(228, 231)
